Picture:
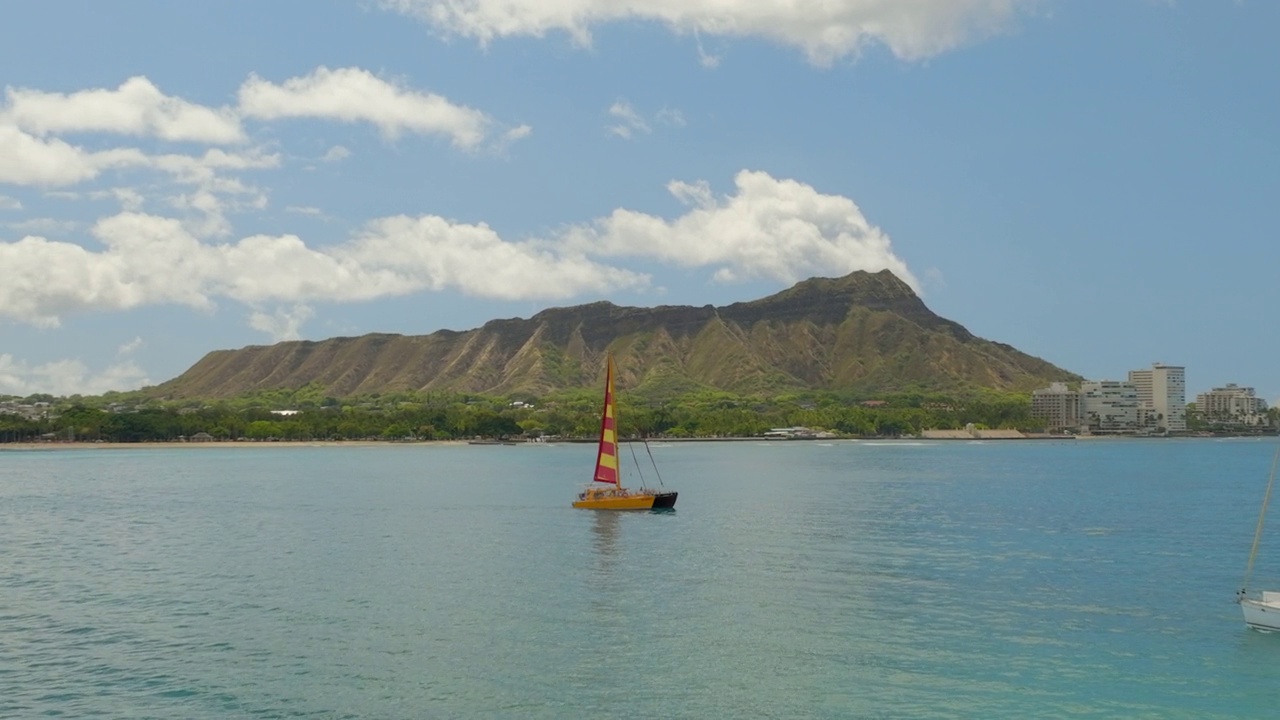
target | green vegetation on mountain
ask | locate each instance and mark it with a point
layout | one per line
(865, 333)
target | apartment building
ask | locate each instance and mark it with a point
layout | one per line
(1110, 406)
(1058, 406)
(1232, 404)
(1162, 396)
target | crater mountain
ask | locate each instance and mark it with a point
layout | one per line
(862, 333)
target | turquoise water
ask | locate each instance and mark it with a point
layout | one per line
(795, 579)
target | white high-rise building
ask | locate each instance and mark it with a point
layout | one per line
(1162, 396)
(1110, 406)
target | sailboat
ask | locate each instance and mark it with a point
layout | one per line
(606, 491)
(1260, 613)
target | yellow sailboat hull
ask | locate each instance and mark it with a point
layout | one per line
(611, 499)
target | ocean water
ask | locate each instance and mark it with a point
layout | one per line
(838, 579)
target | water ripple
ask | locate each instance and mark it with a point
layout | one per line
(855, 580)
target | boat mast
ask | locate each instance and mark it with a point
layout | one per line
(613, 407)
(1257, 533)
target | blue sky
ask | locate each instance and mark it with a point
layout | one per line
(1092, 182)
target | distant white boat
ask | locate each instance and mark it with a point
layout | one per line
(1260, 613)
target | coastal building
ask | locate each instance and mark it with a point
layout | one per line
(1232, 404)
(1057, 406)
(1162, 397)
(790, 433)
(1110, 406)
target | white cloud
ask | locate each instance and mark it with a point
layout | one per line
(129, 199)
(706, 59)
(519, 132)
(44, 226)
(137, 107)
(213, 194)
(210, 204)
(335, 154)
(67, 377)
(670, 116)
(204, 169)
(305, 210)
(356, 95)
(130, 347)
(8, 203)
(770, 228)
(28, 160)
(431, 253)
(631, 122)
(825, 31)
(283, 324)
(155, 260)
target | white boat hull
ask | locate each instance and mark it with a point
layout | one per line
(1262, 614)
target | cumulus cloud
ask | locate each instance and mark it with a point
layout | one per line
(67, 377)
(825, 31)
(356, 95)
(32, 153)
(431, 253)
(205, 185)
(149, 259)
(283, 324)
(137, 107)
(769, 228)
(29, 160)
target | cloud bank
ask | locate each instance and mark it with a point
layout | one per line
(826, 31)
(66, 377)
(32, 153)
(768, 228)
(205, 183)
(137, 107)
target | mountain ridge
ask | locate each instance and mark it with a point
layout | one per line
(864, 332)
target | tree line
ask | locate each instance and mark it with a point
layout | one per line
(569, 414)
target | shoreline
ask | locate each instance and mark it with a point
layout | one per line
(241, 444)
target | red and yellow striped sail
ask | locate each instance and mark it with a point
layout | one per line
(607, 457)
